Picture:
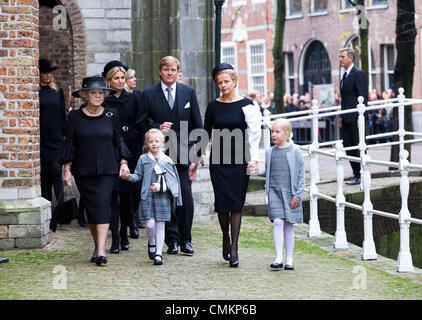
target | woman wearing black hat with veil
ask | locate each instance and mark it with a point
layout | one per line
(124, 204)
(95, 155)
(230, 180)
(52, 132)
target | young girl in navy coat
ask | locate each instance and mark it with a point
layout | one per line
(160, 183)
(285, 180)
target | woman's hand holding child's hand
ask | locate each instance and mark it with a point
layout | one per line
(153, 188)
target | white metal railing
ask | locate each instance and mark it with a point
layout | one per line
(404, 261)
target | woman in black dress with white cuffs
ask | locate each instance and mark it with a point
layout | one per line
(230, 180)
(95, 155)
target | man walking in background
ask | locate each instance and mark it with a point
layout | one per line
(353, 84)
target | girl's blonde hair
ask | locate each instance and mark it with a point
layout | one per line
(152, 132)
(110, 74)
(285, 125)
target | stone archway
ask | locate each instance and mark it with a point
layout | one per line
(317, 66)
(65, 47)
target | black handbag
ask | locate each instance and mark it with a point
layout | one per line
(64, 213)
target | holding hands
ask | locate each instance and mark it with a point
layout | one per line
(253, 167)
(67, 177)
(124, 170)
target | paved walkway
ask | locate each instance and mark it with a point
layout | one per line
(62, 270)
(319, 273)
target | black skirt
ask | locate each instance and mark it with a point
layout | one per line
(230, 184)
(95, 194)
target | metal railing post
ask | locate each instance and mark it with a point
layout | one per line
(368, 247)
(340, 236)
(401, 131)
(314, 228)
(361, 125)
(404, 260)
(314, 134)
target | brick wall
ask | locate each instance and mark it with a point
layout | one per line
(19, 124)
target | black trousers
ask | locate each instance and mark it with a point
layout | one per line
(51, 176)
(350, 136)
(178, 229)
(122, 206)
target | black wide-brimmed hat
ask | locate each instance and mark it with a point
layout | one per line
(114, 63)
(45, 65)
(221, 66)
(92, 83)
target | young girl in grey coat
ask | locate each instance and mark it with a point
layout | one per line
(285, 180)
(160, 183)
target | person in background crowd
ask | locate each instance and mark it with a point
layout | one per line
(130, 86)
(52, 132)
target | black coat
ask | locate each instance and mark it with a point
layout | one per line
(52, 123)
(93, 144)
(126, 106)
(155, 110)
(351, 88)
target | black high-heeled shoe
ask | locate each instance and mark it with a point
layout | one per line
(93, 259)
(234, 264)
(124, 242)
(100, 260)
(115, 247)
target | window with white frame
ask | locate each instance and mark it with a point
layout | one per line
(257, 74)
(319, 6)
(293, 7)
(346, 5)
(236, 3)
(289, 72)
(377, 2)
(228, 54)
(388, 66)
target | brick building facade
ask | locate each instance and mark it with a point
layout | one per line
(314, 32)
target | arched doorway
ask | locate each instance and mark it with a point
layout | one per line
(65, 46)
(317, 66)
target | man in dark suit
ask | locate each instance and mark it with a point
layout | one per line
(171, 105)
(352, 85)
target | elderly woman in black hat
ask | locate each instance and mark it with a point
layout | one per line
(125, 196)
(52, 131)
(230, 180)
(95, 155)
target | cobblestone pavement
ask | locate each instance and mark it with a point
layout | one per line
(319, 273)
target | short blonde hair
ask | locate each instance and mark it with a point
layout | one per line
(152, 132)
(168, 61)
(285, 125)
(129, 75)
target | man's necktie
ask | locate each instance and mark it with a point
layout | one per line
(170, 97)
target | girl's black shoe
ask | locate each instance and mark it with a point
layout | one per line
(158, 260)
(151, 255)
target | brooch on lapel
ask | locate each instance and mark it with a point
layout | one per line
(109, 114)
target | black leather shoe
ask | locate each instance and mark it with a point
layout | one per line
(158, 260)
(288, 267)
(134, 233)
(115, 246)
(354, 181)
(151, 255)
(4, 260)
(124, 243)
(276, 265)
(173, 248)
(187, 248)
